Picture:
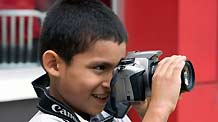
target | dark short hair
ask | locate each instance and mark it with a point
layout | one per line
(71, 26)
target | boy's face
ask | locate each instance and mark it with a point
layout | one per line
(85, 83)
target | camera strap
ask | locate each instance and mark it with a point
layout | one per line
(50, 105)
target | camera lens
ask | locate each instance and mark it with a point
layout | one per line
(187, 75)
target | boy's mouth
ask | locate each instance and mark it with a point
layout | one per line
(101, 99)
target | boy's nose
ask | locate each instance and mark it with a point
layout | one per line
(107, 81)
(106, 84)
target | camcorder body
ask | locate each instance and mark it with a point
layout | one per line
(132, 80)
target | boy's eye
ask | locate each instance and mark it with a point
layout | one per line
(99, 67)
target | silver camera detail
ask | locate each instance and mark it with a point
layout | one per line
(132, 77)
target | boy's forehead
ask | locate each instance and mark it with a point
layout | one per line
(106, 46)
(105, 51)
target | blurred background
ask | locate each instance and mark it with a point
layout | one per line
(186, 27)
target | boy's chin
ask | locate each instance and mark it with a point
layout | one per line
(96, 111)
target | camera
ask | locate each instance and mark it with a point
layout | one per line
(132, 77)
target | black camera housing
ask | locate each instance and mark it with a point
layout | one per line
(133, 76)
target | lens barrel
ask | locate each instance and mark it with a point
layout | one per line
(187, 75)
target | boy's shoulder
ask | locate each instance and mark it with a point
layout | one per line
(42, 117)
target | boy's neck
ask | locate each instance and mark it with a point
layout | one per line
(53, 93)
(85, 116)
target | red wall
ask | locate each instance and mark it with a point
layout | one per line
(152, 25)
(198, 39)
(187, 27)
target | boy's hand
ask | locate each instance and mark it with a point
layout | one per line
(166, 84)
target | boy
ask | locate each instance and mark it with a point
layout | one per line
(81, 43)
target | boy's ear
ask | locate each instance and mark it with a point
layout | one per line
(51, 62)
